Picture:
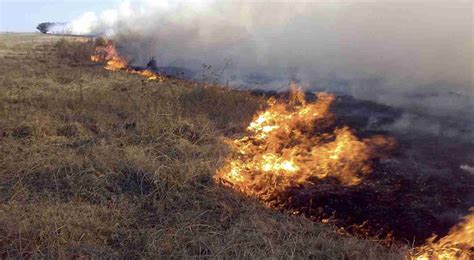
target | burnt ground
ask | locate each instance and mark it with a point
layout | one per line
(418, 191)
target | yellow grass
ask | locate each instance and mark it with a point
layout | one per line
(106, 164)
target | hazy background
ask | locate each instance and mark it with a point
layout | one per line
(25, 15)
(412, 54)
(405, 53)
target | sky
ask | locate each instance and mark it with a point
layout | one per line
(25, 15)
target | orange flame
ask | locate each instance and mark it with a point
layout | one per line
(113, 61)
(290, 144)
(458, 244)
(109, 55)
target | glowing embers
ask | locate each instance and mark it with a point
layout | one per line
(295, 143)
(108, 54)
(458, 244)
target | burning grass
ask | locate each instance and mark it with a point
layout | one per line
(457, 244)
(294, 157)
(291, 144)
(106, 52)
(106, 163)
(102, 164)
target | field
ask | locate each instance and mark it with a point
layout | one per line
(106, 164)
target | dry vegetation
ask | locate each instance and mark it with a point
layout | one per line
(101, 164)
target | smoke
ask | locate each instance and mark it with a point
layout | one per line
(411, 54)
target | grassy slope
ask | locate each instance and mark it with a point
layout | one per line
(94, 163)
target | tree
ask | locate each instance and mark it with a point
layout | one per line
(44, 27)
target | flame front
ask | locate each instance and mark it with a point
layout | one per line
(458, 244)
(109, 55)
(296, 143)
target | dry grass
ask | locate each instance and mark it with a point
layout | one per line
(101, 164)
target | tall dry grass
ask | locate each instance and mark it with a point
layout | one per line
(100, 164)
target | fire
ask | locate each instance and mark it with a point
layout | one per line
(293, 144)
(146, 73)
(109, 55)
(458, 244)
(113, 61)
(296, 143)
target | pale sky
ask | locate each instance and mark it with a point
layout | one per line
(25, 15)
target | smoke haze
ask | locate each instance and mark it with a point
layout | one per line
(415, 54)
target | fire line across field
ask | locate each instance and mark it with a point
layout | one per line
(302, 157)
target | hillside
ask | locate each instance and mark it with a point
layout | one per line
(106, 164)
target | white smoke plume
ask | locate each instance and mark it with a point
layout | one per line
(406, 53)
